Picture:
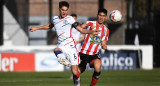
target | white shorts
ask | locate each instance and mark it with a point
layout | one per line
(71, 53)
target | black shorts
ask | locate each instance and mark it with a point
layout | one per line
(87, 59)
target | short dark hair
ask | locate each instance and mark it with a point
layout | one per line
(102, 10)
(74, 15)
(63, 3)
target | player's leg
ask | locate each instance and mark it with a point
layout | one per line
(61, 57)
(78, 46)
(81, 67)
(76, 75)
(97, 71)
(74, 59)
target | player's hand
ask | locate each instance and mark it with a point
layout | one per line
(33, 29)
(95, 32)
(104, 46)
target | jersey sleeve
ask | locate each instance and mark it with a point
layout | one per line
(53, 20)
(88, 23)
(72, 20)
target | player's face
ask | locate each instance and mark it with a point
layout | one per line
(101, 17)
(63, 11)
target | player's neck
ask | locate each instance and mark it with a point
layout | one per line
(100, 24)
(62, 17)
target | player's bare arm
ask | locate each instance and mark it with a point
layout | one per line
(85, 31)
(84, 26)
(45, 27)
(104, 45)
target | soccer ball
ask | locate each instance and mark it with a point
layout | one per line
(115, 16)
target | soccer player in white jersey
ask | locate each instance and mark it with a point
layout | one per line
(66, 46)
(92, 44)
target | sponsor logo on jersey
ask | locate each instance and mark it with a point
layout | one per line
(95, 39)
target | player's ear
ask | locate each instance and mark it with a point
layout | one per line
(97, 14)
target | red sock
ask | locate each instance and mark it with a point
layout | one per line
(94, 81)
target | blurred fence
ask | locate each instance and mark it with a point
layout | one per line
(41, 58)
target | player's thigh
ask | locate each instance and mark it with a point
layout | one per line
(73, 56)
(57, 49)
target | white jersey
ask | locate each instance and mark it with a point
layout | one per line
(92, 43)
(66, 43)
(63, 28)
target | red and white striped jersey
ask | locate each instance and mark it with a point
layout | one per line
(92, 43)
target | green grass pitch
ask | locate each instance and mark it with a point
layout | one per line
(107, 78)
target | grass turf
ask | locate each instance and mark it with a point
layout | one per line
(107, 78)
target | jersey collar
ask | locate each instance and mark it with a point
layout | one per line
(100, 25)
(62, 18)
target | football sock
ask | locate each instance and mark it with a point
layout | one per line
(59, 54)
(95, 78)
(76, 79)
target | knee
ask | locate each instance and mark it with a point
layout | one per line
(75, 72)
(57, 51)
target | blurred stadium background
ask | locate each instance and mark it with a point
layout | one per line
(133, 42)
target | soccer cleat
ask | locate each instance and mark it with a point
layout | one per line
(64, 62)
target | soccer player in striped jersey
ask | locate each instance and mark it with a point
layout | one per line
(66, 46)
(92, 44)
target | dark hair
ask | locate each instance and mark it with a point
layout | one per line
(74, 15)
(102, 10)
(63, 3)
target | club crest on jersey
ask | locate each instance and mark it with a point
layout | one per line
(93, 27)
(95, 39)
(65, 22)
